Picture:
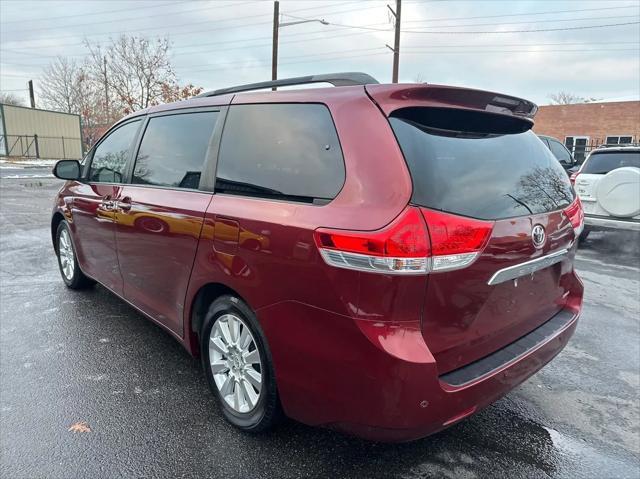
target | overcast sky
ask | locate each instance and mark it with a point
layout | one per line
(222, 43)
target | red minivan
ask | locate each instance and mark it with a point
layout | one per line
(381, 259)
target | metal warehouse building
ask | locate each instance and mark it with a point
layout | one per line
(34, 133)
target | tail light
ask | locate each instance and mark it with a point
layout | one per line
(407, 245)
(400, 248)
(573, 177)
(456, 241)
(575, 213)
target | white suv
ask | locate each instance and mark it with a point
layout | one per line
(608, 184)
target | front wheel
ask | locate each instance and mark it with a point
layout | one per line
(71, 274)
(238, 365)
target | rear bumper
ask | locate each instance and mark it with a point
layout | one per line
(600, 222)
(378, 380)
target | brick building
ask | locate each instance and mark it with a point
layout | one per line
(582, 126)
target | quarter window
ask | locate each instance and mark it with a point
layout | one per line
(173, 150)
(283, 151)
(111, 155)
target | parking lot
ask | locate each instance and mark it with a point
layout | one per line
(68, 356)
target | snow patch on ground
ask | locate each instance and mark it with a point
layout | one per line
(11, 163)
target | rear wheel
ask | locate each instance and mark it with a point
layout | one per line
(70, 271)
(238, 365)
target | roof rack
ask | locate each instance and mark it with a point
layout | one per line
(336, 79)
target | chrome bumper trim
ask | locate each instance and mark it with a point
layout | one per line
(528, 267)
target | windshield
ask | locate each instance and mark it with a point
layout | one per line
(603, 163)
(481, 175)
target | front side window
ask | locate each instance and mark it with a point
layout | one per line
(110, 157)
(281, 151)
(173, 150)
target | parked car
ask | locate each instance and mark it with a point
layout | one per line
(608, 184)
(382, 259)
(562, 154)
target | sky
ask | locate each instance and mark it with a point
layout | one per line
(529, 49)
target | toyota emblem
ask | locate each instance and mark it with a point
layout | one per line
(538, 236)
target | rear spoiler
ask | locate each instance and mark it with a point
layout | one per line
(393, 97)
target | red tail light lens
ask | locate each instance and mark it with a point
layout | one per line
(575, 213)
(456, 241)
(407, 245)
(402, 247)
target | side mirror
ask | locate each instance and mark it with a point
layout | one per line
(67, 170)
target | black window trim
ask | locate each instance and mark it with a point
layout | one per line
(210, 156)
(317, 202)
(134, 142)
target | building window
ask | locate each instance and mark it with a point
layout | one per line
(619, 140)
(578, 146)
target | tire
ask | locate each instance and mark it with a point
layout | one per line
(70, 270)
(239, 406)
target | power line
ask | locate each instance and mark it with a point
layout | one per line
(470, 52)
(522, 14)
(493, 31)
(189, 24)
(86, 14)
(120, 20)
(527, 22)
(265, 45)
(318, 58)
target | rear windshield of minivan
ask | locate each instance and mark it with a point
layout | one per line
(603, 163)
(498, 170)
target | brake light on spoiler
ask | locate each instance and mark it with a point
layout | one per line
(418, 241)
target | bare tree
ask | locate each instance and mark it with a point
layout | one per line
(136, 70)
(128, 74)
(11, 99)
(59, 85)
(565, 98)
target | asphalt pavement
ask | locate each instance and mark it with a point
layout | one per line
(71, 357)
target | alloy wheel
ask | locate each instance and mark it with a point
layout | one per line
(67, 256)
(235, 363)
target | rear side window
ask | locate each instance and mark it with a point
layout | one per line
(468, 164)
(173, 150)
(603, 163)
(283, 151)
(111, 155)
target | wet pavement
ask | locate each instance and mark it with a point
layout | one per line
(67, 357)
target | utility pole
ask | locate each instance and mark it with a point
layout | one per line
(106, 92)
(274, 53)
(396, 44)
(32, 97)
